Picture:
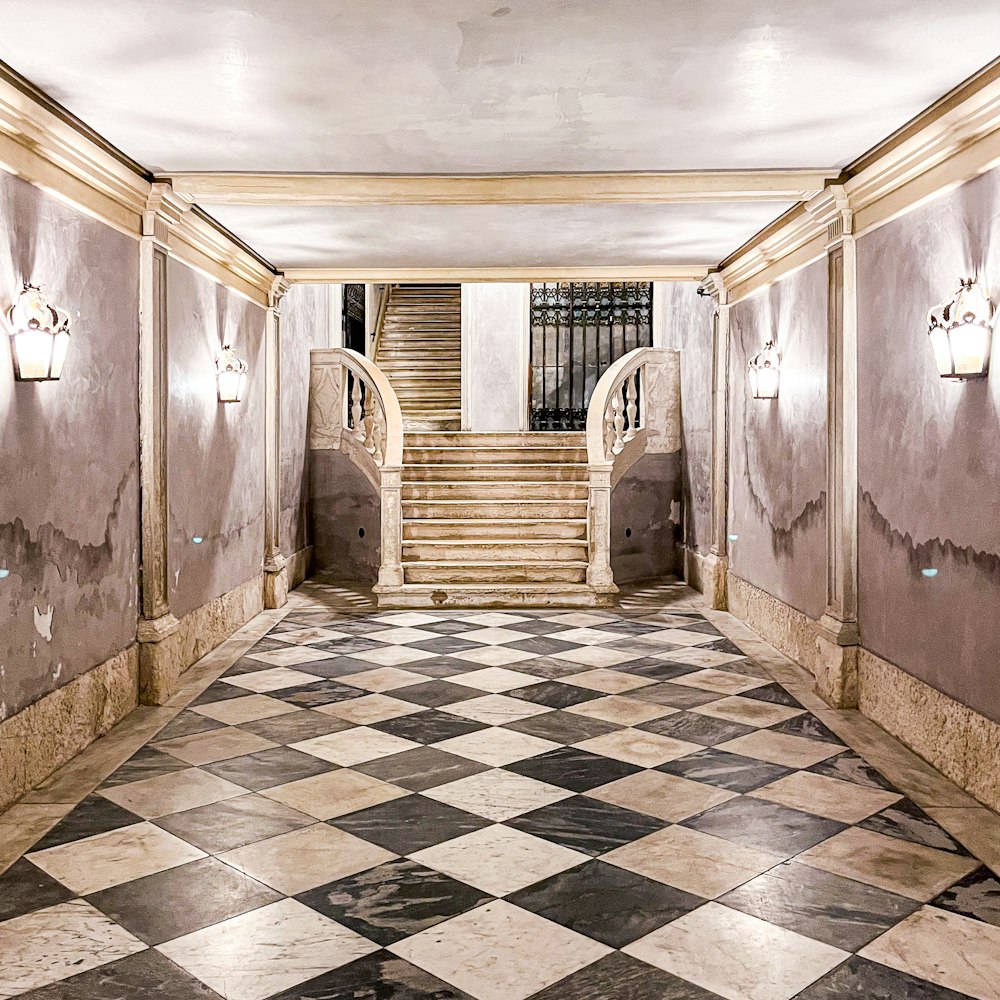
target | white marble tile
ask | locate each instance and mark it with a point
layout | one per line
(50, 945)
(370, 708)
(693, 861)
(382, 679)
(499, 952)
(498, 859)
(267, 950)
(608, 681)
(335, 793)
(747, 711)
(665, 796)
(953, 951)
(498, 795)
(496, 746)
(402, 635)
(492, 619)
(216, 744)
(262, 681)
(680, 637)
(695, 656)
(495, 709)
(408, 619)
(624, 711)
(494, 635)
(354, 746)
(108, 859)
(588, 636)
(173, 792)
(781, 748)
(828, 797)
(594, 656)
(495, 679)
(493, 656)
(253, 707)
(719, 680)
(291, 657)
(305, 858)
(722, 950)
(635, 746)
(307, 636)
(393, 656)
(580, 619)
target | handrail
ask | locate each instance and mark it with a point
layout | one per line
(379, 427)
(617, 408)
(380, 320)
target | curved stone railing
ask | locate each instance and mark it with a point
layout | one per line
(353, 408)
(635, 407)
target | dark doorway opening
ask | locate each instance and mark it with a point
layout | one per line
(354, 318)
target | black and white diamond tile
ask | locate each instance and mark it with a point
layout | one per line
(497, 805)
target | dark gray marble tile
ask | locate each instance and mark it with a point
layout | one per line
(848, 766)
(694, 728)
(407, 825)
(431, 726)
(421, 769)
(620, 977)
(765, 825)
(808, 727)
(440, 667)
(773, 693)
(146, 763)
(586, 825)
(859, 979)
(268, 768)
(338, 666)
(907, 821)
(451, 626)
(187, 724)
(554, 695)
(549, 667)
(232, 823)
(725, 646)
(221, 691)
(577, 770)
(95, 814)
(976, 896)
(380, 976)
(435, 693)
(655, 669)
(631, 628)
(315, 695)
(542, 626)
(171, 903)
(144, 976)
(542, 645)
(609, 904)
(706, 628)
(562, 727)
(358, 626)
(24, 888)
(446, 644)
(838, 911)
(349, 646)
(393, 901)
(296, 726)
(725, 770)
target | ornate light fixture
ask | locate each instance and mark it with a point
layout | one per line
(39, 337)
(232, 374)
(960, 330)
(763, 370)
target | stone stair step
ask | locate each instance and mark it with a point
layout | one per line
(500, 550)
(492, 572)
(495, 491)
(427, 528)
(498, 439)
(495, 509)
(494, 472)
(492, 595)
(493, 455)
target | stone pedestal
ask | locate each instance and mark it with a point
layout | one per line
(159, 662)
(275, 582)
(836, 663)
(714, 581)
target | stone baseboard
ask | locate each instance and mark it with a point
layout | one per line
(197, 633)
(962, 744)
(299, 566)
(47, 734)
(707, 575)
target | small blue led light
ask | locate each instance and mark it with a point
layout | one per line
(929, 573)
(197, 539)
(733, 538)
(4, 573)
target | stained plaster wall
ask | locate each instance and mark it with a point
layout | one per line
(68, 453)
(215, 483)
(778, 448)
(929, 454)
(346, 518)
(685, 322)
(305, 324)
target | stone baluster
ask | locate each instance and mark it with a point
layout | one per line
(619, 422)
(356, 409)
(631, 409)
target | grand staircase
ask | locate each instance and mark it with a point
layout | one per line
(493, 519)
(420, 351)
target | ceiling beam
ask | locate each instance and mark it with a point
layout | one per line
(500, 189)
(418, 275)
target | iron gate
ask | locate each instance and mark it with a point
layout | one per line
(578, 329)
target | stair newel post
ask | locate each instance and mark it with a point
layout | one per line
(599, 575)
(391, 567)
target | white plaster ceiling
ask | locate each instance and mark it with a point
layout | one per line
(388, 236)
(492, 86)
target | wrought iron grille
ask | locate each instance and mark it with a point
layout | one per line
(578, 329)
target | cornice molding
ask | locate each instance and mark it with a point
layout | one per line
(417, 275)
(48, 148)
(305, 189)
(952, 143)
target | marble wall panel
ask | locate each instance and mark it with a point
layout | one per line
(69, 476)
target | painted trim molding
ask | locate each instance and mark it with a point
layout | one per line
(163, 659)
(457, 275)
(959, 742)
(53, 730)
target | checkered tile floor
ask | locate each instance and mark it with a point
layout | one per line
(498, 805)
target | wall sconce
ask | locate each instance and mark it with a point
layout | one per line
(39, 337)
(960, 330)
(232, 373)
(763, 370)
